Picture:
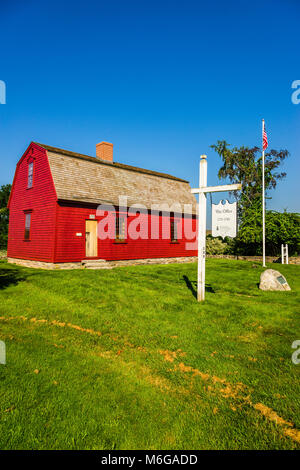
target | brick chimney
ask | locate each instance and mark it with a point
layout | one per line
(104, 151)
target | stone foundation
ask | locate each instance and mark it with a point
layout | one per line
(44, 265)
(102, 264)
(135, 262)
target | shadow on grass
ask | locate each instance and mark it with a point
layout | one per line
(192, 286)
(10, 277)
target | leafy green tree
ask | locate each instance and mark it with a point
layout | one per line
(244, 165)
(4, 196)
(281, 228)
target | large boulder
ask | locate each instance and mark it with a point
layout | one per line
(273, 280)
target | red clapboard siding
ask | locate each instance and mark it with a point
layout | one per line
(69, 247)
(55, 225)
(41, 200)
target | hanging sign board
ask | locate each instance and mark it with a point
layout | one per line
(224, 219)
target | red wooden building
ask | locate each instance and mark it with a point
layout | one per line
(55, 217)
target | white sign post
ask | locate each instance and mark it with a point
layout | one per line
(224, 223)
(202, 190)
(284, 254)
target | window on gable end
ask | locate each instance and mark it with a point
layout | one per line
(30, 175)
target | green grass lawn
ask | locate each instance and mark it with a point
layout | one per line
(128, 359)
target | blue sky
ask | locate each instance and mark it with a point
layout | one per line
(161, 80)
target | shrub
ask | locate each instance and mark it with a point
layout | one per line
(215, 246)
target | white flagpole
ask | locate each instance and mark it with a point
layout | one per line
(263, 198)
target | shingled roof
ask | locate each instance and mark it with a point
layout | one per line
(83, 178)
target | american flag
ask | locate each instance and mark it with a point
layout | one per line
(265, 138)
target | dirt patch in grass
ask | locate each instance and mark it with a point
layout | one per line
(154, 379)
(289, 429)
(248, 338)
(271, 415)
(171, 355)
(55, 323)
(241, 392)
